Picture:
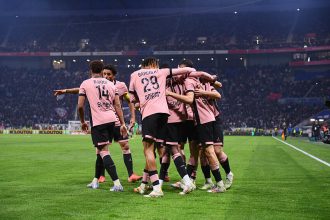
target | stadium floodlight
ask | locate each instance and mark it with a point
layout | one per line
(321, 119)
(312, 119)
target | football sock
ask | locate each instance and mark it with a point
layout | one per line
(109, 165)
(206, 171)
(128, 163)
(99, 168)
(180, 165)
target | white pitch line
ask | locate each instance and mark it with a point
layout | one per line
(307, 154)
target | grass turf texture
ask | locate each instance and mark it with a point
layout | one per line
(45, 177)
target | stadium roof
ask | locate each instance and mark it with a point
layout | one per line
(94, 7)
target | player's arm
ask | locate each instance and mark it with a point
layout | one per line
(131, 109)
(181, 71)
(65, 91)
(119, 111)
(207, 94)
(204, 75)
(81, 104)
(188, 98)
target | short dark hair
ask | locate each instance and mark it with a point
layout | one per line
(149, 61)
(96, 66)
(164, 66)
(187, 63)
(110, 67)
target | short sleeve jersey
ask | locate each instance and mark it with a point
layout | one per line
(213, 102)
(100, 94)
(149, 86)
(176, 108)
(201, 107)
(122, 90)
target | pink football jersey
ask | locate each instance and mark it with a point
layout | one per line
(149, 86)
(100, 93)
(201, 107)
(177, 109)
(122, 90)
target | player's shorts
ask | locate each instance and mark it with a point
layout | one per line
(117, 137)
(188, 131)
(204, 133)
(154, 127)
(174, 133)
(102, 134)
(218, 131)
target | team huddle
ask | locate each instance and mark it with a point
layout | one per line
(177, 105)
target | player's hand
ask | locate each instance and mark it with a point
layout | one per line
(168, 93)
(84, 127)
(199, 92)
(59, 92)
(123, 130)
(214, 78)
(131, 125)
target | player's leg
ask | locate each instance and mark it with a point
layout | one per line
(206, 171)
(127, 156)
(221, 155)
(144, 183)
(214, 165)
(181, 168)
(152, 168)
(224, 162)
(165, 163)
(103, 136)
(98, 170)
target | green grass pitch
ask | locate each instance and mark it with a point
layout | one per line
(45, 177)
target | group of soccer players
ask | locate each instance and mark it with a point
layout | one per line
(176, 104)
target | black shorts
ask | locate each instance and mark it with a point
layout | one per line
(204, 133)
(188, 131)
(174, 133)
(218, 131)
(154, 127)
(102, 134)
(117, 137)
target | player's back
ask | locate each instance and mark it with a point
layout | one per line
(149, 86)
(177, 109)
(202, 109)
(100, 94)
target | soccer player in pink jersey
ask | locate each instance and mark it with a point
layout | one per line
(208, 92)
(109, 72)
(204, 119)
(147, 85)
(103, 98)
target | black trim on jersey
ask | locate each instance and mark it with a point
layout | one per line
(194, 108)
(189, 91)
(132, 92)
(81, 94)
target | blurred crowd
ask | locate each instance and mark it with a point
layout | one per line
(250, 96)
(246, 30)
